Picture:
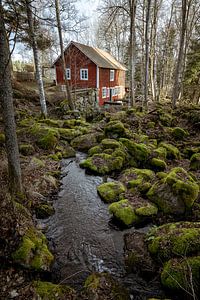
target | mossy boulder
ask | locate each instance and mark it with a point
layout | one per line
(195, 162)
(95, 150)
(44, 210)
(50, 291)
(86, 141)
(175, 192)
(189, 151)
(52, 122)
(174, 240)
(182, 274)
(103, 163)
(37, 163)
(139, 179)
(160, 153)
(26, 149)
(179, 133)
(172, 151)
(132, 211)
(110, 191)
(158, 164)
(101, 286)
(110, 144)
(49, 140)
(166, 119)
(136, 254)
(68, 134)
(2, 139)
(139, 153)
(115, 129)
(33, 251)
(67, 151)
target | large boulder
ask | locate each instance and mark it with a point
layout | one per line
(195, 162)
(175, 193)
(86, 141)
(115, 129)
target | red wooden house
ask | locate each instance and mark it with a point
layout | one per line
(89, 67)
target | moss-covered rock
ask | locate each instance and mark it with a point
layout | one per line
(151, 124)
(52, 122)
(37, 163)
(139, 179)
(49, 140)
(140, 153)
(87, 141)
(102, 163)
(174, 240)
(68, 134)
(195, 162)
(44, 211)
(26, 149)
(110, 144)
(175, 192)
(124, 212)
(33, 251)
(172, 151)
(110, 191)
(160, 153)
(67, 151)
(115, 129)
(2, 139)
(95, 150)
(179, 133)
(182, 274)
(50, 291)
(101, 286)
(158, 164)
(166, 119)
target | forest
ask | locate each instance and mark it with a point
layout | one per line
(100, 200)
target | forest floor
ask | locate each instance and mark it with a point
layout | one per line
(43, 143)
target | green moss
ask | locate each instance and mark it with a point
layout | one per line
(51, 122)
(110, 143)
(37, 163)
(2, 138)
(26, 149)
(147, 211)
(68, 134)
(151, 125)
(166, 119)
(195, 162)
(189, 151)
(172, 151)
(160, 152)
(86, 141)
(110, 191)
(139, 152)
(115, 129)
(56, 156)
(102, 163)
(179, 133)
(48, 141)
(175, 239)
(178, 273)
(158, 164)
(28, 122)
(124, 212)
(50, 291)
(33, 251)
(95, 150)
(44, 211)
(92, 282)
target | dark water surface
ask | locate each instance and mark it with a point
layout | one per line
(82, 238)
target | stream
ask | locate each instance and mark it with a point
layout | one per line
(82, 238)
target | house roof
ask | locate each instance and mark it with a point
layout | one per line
(100, 57)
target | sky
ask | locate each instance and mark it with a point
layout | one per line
(87, 8)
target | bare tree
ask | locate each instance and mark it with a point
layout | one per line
(36, 57)
(69, 98)
(6, 98)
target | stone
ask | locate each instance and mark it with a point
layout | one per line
(111, 191)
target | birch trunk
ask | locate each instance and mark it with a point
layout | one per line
(36, 58)
(146, 77)
(68, 94)
(15, 182)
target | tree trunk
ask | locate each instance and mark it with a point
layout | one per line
(6, 98)
(69, 98)
(176, 87)
(36, 58)
(146, 77)
(132, 4)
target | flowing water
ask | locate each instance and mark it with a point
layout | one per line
(82, 237)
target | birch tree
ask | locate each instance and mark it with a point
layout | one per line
(33, 40)
(15, 182)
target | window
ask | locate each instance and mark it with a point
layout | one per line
(84, 74)
(104, 92)
(68, 73)
(112, 75)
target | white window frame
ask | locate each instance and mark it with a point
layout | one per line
(85, 72)
(104, 92)
(68, 73)
(112, 75)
